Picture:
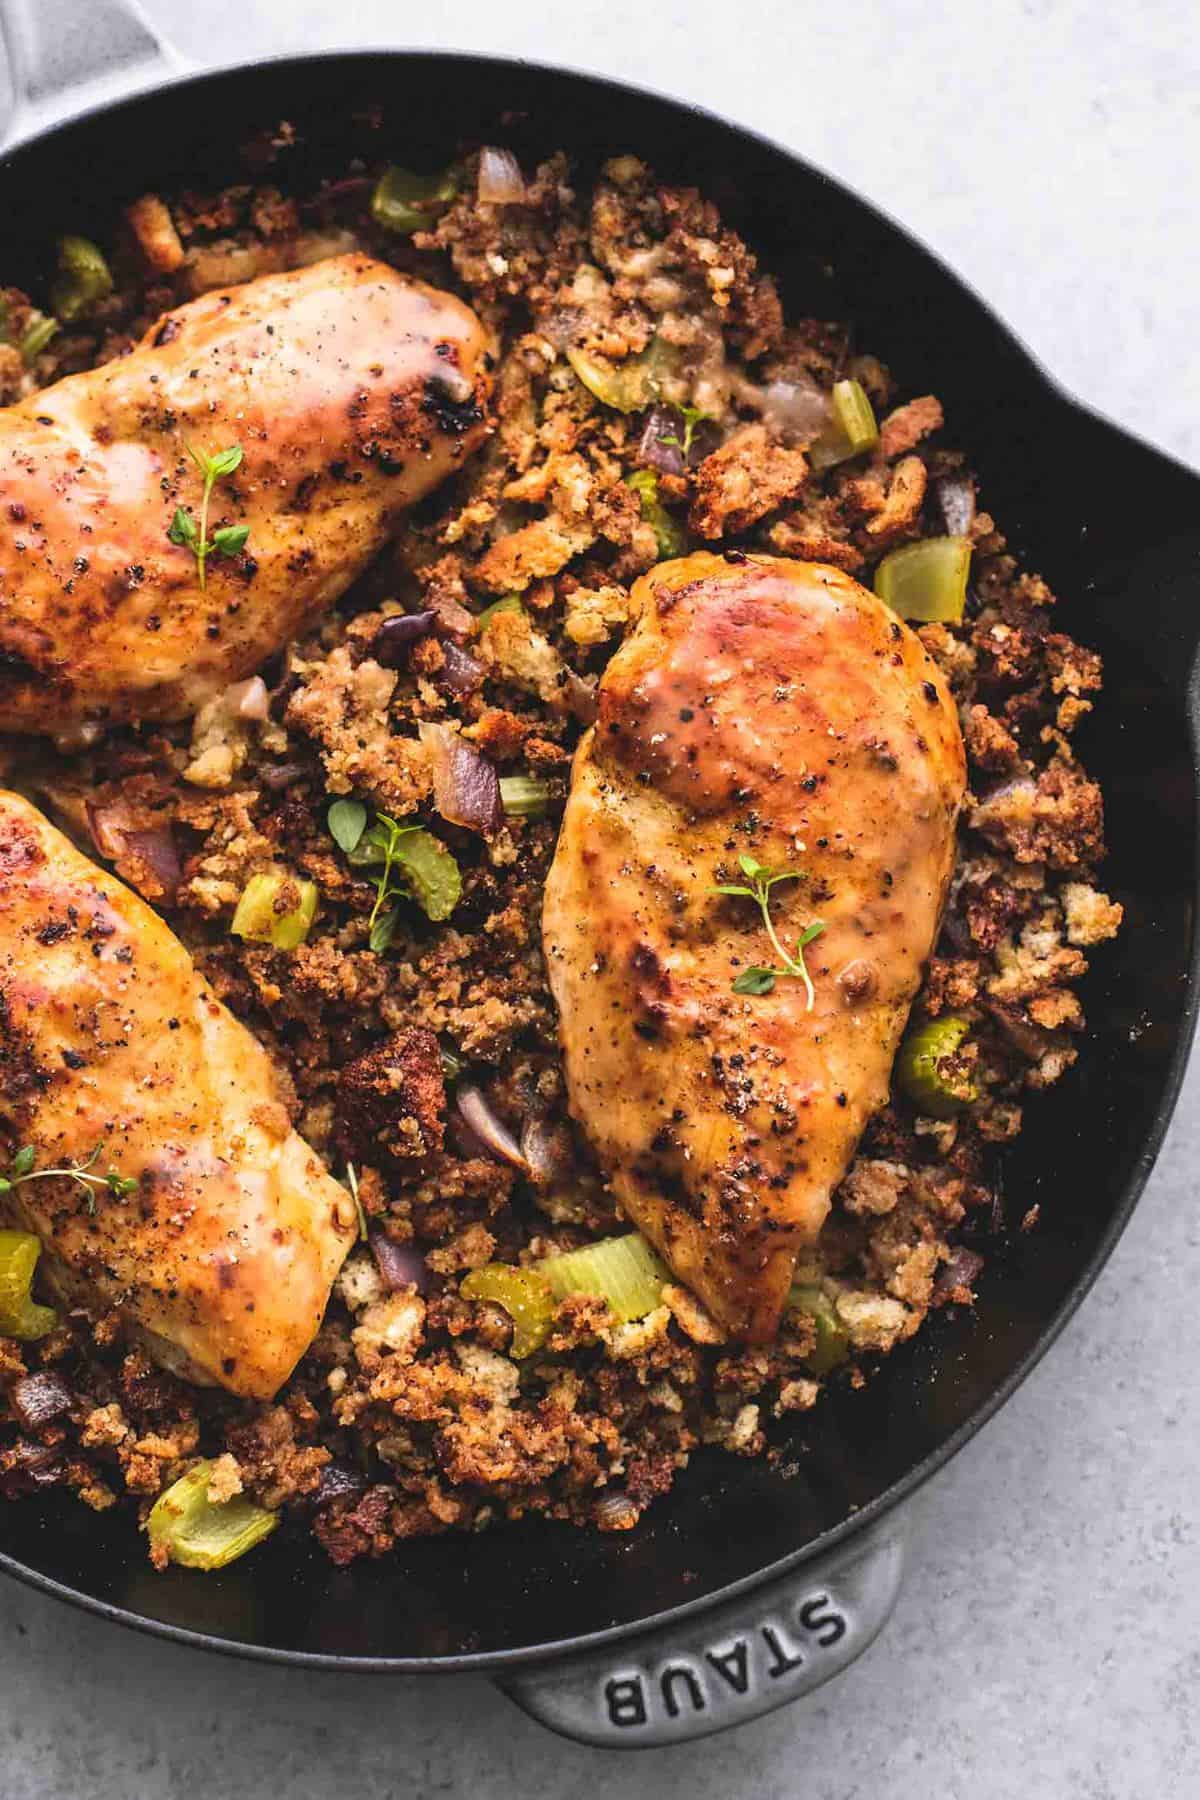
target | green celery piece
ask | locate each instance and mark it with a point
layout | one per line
(918, 1067)
(257, 919)
(510, 603)
(404, 202)
(833, 1340)
(430, 873)
(669, 534)
(83, 280)
(20, 1315)
(851, 428)
(926, 581)
(625, 1271)
(200, 1535)
(524, 796)
(525, 1297)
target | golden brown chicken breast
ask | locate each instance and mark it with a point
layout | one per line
(774, 712)
(224, 1251)
(350, 391)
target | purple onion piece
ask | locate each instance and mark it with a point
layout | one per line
(36, 1399)
(495, 1137)
(466, 788)
(653, 452)
(400, 1265)
(460, 673)
(276, 776)
(396, 636)
(956, 501)
(338, 1481)
(964, 1265)
(31, 1466)
(158, 850)
(797, 410)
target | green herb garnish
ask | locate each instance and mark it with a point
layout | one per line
(347, 820)
(692, 416)
(415, 865)
(183, 530)
(758, 979)
(22, 1170)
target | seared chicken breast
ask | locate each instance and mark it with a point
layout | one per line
(350, 390)
(776, 711)
(224, 1252)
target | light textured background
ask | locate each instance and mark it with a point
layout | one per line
(1047, 1644)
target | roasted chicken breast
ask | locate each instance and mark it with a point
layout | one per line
(224, 1253)
(778, 711)
(351, 391)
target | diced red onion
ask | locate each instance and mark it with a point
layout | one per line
(482, 1122)
(956, 500)
(547, 1149)
(459, 673)
(281, 775)
(964, 1265)
(337, 1481)
(248, 699)
(653, 452)
(153, 845)
(400, 1265)
(466, 788)
(500, 179)
(36, 1399)
(453, 619)
(396, 636)
(30, 1466)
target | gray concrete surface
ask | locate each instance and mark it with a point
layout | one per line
(1047, 1645)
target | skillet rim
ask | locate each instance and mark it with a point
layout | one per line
(563, 1649)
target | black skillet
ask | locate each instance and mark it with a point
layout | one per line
(750, 1584)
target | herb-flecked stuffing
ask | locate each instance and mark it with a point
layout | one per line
(407, 1416)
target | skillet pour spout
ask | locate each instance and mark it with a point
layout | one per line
(750, 1583)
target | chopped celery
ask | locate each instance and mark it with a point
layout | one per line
(20, 1315)
(938, 1091)
(511, 603)
(430, 871)
(259, 915)
(525, 1296)
(833, 1340)
(625, 1271)
(668, 532)
(524, 796)
(452, 1063)
(404, 202)
(626, 386)
(851, 428)
(926, 581)
(37, 335)
(203, 1534)
(84, 277)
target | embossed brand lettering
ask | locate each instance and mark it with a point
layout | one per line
(820, 1616)
(625, 1699)
(679, 1672)
(733, 1665)
(783, 1660)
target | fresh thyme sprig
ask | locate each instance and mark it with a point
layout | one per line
(758, 979)
(692, 416)
(22, 1170)
(347, 820)
(229, 540)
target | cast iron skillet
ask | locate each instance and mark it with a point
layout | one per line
(750, 1584)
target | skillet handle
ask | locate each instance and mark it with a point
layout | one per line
(64, 56)
(724, 1667)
